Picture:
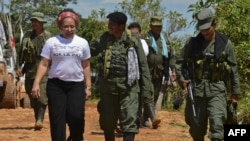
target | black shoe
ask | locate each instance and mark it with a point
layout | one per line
(109, 136)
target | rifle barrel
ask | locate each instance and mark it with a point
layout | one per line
(190, 92)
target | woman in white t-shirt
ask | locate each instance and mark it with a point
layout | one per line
(67, 57)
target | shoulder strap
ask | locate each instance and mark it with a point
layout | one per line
(220, 44)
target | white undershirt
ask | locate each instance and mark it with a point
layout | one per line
(145, 47)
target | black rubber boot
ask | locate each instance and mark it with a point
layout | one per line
(40, 111)
(69, 139)
(198, 139)
(152, 116)
(128, 136)
(109, 136)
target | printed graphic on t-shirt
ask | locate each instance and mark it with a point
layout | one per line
(63, 50)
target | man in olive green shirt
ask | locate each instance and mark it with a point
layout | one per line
(207, 61)
(158, 62)
(29, 57)
(123, 74)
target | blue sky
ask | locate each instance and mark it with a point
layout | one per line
(84, 7)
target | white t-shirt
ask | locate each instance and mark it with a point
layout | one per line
(66, 56)
(145, 47)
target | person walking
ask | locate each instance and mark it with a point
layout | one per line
(158, 59)
(123, 74)
(65, 87)
(207, 62)
(136, 28)
(29, 56)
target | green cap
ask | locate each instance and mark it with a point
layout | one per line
(156, 20)
(38, 16)
(205, 18)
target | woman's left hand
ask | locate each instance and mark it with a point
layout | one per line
(88, 93)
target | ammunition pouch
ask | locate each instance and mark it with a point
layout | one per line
(107, 60)
(220, 71)
(29, 51)
(209, 68)
(226, 71)
(199, 71)
(157, 71)
(195, 67)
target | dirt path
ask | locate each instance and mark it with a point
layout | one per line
(17, 125)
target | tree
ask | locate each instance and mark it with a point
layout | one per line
(141, 11)
(91, 29)
(20, 10)
(175, 22)
(94, 25)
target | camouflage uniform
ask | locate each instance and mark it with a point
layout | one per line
(210, 64)
(31, 63)
(29, 57)
(158, 66)
(117, 98)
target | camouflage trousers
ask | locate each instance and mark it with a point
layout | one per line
(118, 103)
(210, 110)
(43, 99)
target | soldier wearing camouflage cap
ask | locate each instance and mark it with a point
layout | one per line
(210, 62)
(29, 56)
(158, 62)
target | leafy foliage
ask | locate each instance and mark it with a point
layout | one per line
(141, 10)
(19, 13)
(94, 25)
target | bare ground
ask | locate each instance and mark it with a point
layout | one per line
(17, 125)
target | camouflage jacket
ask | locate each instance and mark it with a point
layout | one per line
(222, 51)
(158, 64)
(118, 58)
(29, 52)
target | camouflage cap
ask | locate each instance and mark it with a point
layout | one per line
(117, 17)
(205, 18)
(156, 20)
(38, 16)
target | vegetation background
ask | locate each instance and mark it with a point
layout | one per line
(232, 15)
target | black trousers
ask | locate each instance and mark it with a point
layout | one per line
(66, 102)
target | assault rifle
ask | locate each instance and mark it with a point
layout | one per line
(190, 94)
